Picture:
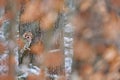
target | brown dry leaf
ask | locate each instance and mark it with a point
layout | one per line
(87, 33)
(83, 51)
(56, 5)
(112, 27)
(19, 3)
(115, 64)
(59, 5)
(54, 58)
(97, 76)
(23, 1)
(1, 22)
(32, 11)
(2, 48)
(7, 16)
(2, 3)
(86, 69)
(42, 75)
(79, 21)
(85, 5)
(113, 76)
(20, 43)
(100, 48)
(62, 78)
(6, 77)
(48, 20)
(115, 3)
(37, 48)
(32, 77)
(100, 8)
(110, 54)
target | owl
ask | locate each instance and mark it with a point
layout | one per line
(27, 36)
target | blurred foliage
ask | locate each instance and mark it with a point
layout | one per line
(36, 28)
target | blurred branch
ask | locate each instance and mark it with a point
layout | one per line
(11, 6)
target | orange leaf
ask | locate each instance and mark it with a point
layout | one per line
(53, 59)
(48, 20)
(2, 3)
(37, 48)
(2, 48)
(56, 5)
(80, 53)
(115, 3)
(32, 12)
(110, 54)
(20, 43)
(32, 77)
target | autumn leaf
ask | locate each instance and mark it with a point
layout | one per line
(111, 28)
(1, 22)
(32, 77)
(6, 77)
(2, 3)
(37, 48)
(110, 54)
(7, 16)
(23, 1)
(62, 78)
(20, 43)
(115, 65)
(48, 20)
(115, 3)
(86, 69)
(83, 51)
(33, 8)
(56, 5)
(2, 47)
(97, 76)
(53, 59)
(85, 4)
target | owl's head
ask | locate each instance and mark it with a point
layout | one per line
(28, 35)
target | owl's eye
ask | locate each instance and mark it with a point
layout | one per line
(28, 37)
(119, 70)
